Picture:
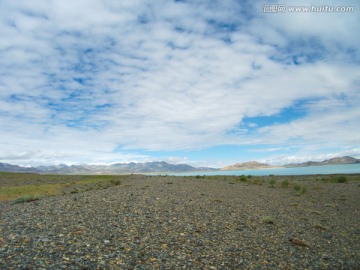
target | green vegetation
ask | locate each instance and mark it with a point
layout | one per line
(28, 187)
(18, 185)
(10, 193)
(335, 179)
(268, 220)
(300, 189)
(242, 178)
(285, 183)
(257, 182)
(341, 179)
(27, 198)
(115, 182)
(272, 183)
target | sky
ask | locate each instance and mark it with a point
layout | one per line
(206, 83)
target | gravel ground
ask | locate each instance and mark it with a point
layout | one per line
(185, 223)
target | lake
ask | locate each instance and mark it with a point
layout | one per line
(327, 169)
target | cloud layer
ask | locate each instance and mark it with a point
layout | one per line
(87, 81)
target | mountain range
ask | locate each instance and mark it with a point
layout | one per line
(159, 166)
(253, 165)
(331, 161)
(117, 168)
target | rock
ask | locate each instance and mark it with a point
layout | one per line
(298, 242)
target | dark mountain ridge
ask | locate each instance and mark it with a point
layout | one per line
(117, 168)
(331, 161)
(5, 167)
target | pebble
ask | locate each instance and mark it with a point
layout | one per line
(189, 224)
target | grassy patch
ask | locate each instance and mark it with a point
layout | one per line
(27, 198)
(285, 184)
(11, 193)
(300, 189)
(272, 183)
(257, 181)
(341, 179)
(335, 179)
(19, 186)
(242, 178)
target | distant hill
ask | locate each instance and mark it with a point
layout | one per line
(251, 165)
(5, 167)
(118, 168)
(331, 161)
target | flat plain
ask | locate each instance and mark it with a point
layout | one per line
(168, 222)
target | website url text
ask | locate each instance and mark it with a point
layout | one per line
(324, 8)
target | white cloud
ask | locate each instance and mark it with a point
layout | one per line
(327, 26)
(80, 79)
(330, 127)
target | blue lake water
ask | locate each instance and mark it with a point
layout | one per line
(328, 169)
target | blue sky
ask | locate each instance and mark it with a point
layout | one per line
(207, 83)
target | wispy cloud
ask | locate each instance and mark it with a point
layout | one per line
(80, 80)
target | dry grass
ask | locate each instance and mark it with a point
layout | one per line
(11, 193)
(15, 186)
